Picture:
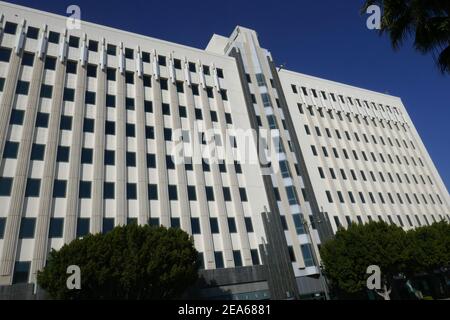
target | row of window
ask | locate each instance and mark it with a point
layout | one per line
(382, 199)
(56, 228)
(390, 220)
(370, 106)
(74, 42)
(348, 136)
(374, 159)
(22, 268)
(22, 88)
(333, 175)
(33, 188)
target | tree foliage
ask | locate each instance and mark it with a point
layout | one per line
(130, 262)
(426, 21)
(347, 256)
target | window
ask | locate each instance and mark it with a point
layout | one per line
(110, 101)
(218, 257)
(209, 193)
(21, 272)
(192, 67)
(243, 194)
(37, 152)
(5, 54)
(152, 192)
(131, 191)
(69, 94)
(108, 190)
(307, 255)
(219, 73)
(192, 196)
(232, 225)
(89, 97)
(154, 222)
(84, 190)
(175, 222)
(53, 37)
(110, 128)
(214, 225)
(82, 227)
(2, 227)
(92, 70)
(27, 59)
(129, 53)
(173, 193)
(237, 258)
(2, 84)
(161, 60)
(88, 125)
(195, 225)
(147, 80)
(108, 224)
(148, 106)
(131, 159)
(130, 130)
(111, 49)
(46, 91)
(86, 156)
(11, 149)
(330, 199)
(5, 186)
(27, 227)
(255, 256)
(151, 161)
(129, 77)
(167, 134)
(93, 45)
(62, 154)
(145, 57)
(298, 222)
(248, 224)
(10, 27)
(226, 194)
(169, 163)
(111, 74)
(109, 157)
(177, 64)
(71, 66)
(59, 188)
(56, 227)
(16, 117)
(33, 187)
(66, 123)
(74, 41)
(22, 87)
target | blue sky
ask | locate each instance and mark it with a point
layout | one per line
(326, 38)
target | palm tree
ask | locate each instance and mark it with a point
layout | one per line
(427, 21)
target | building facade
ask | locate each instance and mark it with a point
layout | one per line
(100, 127)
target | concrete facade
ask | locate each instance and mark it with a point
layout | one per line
(100, 127)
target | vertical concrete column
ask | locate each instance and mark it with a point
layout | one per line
(234, 184)
(141, 156)
(183, 200)
(208, 245)
(46, 196)
(99, 154)
(9, 91)
(163, 192)
(73, 180)
(219, 199)
(121, 148)
(20, 177)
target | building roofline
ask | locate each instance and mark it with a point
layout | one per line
(112, 29)
(341, 84)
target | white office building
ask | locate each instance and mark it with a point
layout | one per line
(100, 127)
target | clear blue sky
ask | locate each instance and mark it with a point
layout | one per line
(326, 38)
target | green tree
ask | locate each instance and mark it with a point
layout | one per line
(426, 21)
(429, 248)
(347, 256)
(131, 262)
